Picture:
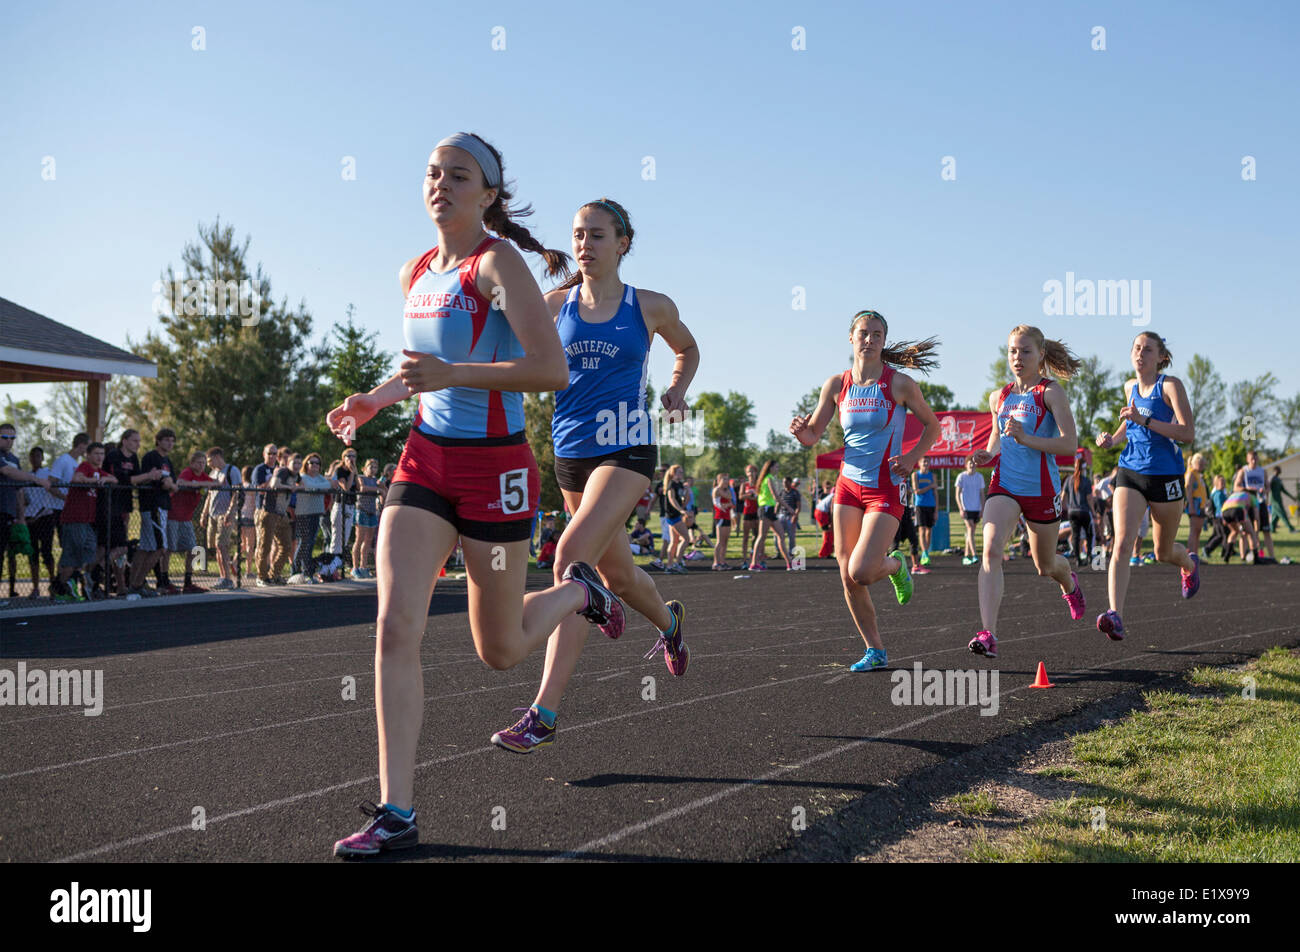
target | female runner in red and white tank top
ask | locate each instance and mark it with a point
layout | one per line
(467, 472)
(872, 400)
(1032, 424)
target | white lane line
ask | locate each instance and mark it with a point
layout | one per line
(259, 807)
(838, 677)
(844, 748)
(616, 674)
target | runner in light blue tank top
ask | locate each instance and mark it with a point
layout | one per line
(604, 445)
(872, 399)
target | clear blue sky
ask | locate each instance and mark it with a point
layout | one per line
(775, 168)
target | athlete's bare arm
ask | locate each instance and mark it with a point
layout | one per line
(808, 429)
(985, 456)
(1182, 428)
(662, 318)
(908, 393)
(1120, 436)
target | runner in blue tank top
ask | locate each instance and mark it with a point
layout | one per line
(605, 450)
(872, 400)
(466, 472)
(1032, 424)
(1158, 417)
(923, 483)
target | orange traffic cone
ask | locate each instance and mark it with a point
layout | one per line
(1041, 681)
(442, 572)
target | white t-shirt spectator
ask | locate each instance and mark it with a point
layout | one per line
(62, 470)
(969, 487)
(311, 504)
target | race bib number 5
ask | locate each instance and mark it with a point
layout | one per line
(514, 491)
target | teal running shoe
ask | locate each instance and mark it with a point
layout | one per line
(873, 659)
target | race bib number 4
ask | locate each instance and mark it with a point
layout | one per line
(514, 491)
(1174, 488)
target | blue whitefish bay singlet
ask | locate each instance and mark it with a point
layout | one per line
(925, 482)
(1150, 453)
(1020, 470)
(446, 316)
(873, 430)
(603, 410)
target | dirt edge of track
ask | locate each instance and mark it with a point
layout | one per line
(910, 821)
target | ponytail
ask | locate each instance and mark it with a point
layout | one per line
(914, 355)
(763, 474)
(503, 220)
(1058, 359)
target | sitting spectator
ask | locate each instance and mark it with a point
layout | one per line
(642, 539)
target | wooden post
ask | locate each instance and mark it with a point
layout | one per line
(96, 408)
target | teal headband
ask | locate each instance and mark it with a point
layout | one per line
(604, 204)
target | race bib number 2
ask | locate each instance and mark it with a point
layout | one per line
(514, 491)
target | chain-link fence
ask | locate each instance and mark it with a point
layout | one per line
(102, 545)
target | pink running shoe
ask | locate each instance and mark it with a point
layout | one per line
(1192, 582)
(1075, 599)
(385, 831)
(984, 643)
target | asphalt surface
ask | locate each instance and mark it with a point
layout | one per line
(236, 707)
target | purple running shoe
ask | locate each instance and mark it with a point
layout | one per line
(1110, 625)
(386, 831)
(984, 643)
(527, 735)
(1192, 582)
(676, 654)
(603, 610)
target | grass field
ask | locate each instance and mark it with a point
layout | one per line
(1206, 775)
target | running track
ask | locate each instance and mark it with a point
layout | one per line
(236, 707)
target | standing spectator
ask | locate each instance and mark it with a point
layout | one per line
(220, 514)
(62, 471)
(11, 472)
(923, 483)
(180, 523)
(749, 513)
(1219, 532)
(788, 506)
(722, 506)
(1196, 502)
(824, 518)
(41, 517)
(1254, 479)
(341, 514)
(970, 496)
(155, 504)
(124, 463)
(307, 518)
(1076, 502)
(275, 532)
(247, 504)
(548, 542)
(1277, 489)
(261, 477)
(367, 520)
(79, 513)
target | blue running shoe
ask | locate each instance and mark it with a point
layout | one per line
(873, 659)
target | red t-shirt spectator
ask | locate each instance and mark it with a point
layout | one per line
(83, 499)
(186, 501)
(749, 506)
